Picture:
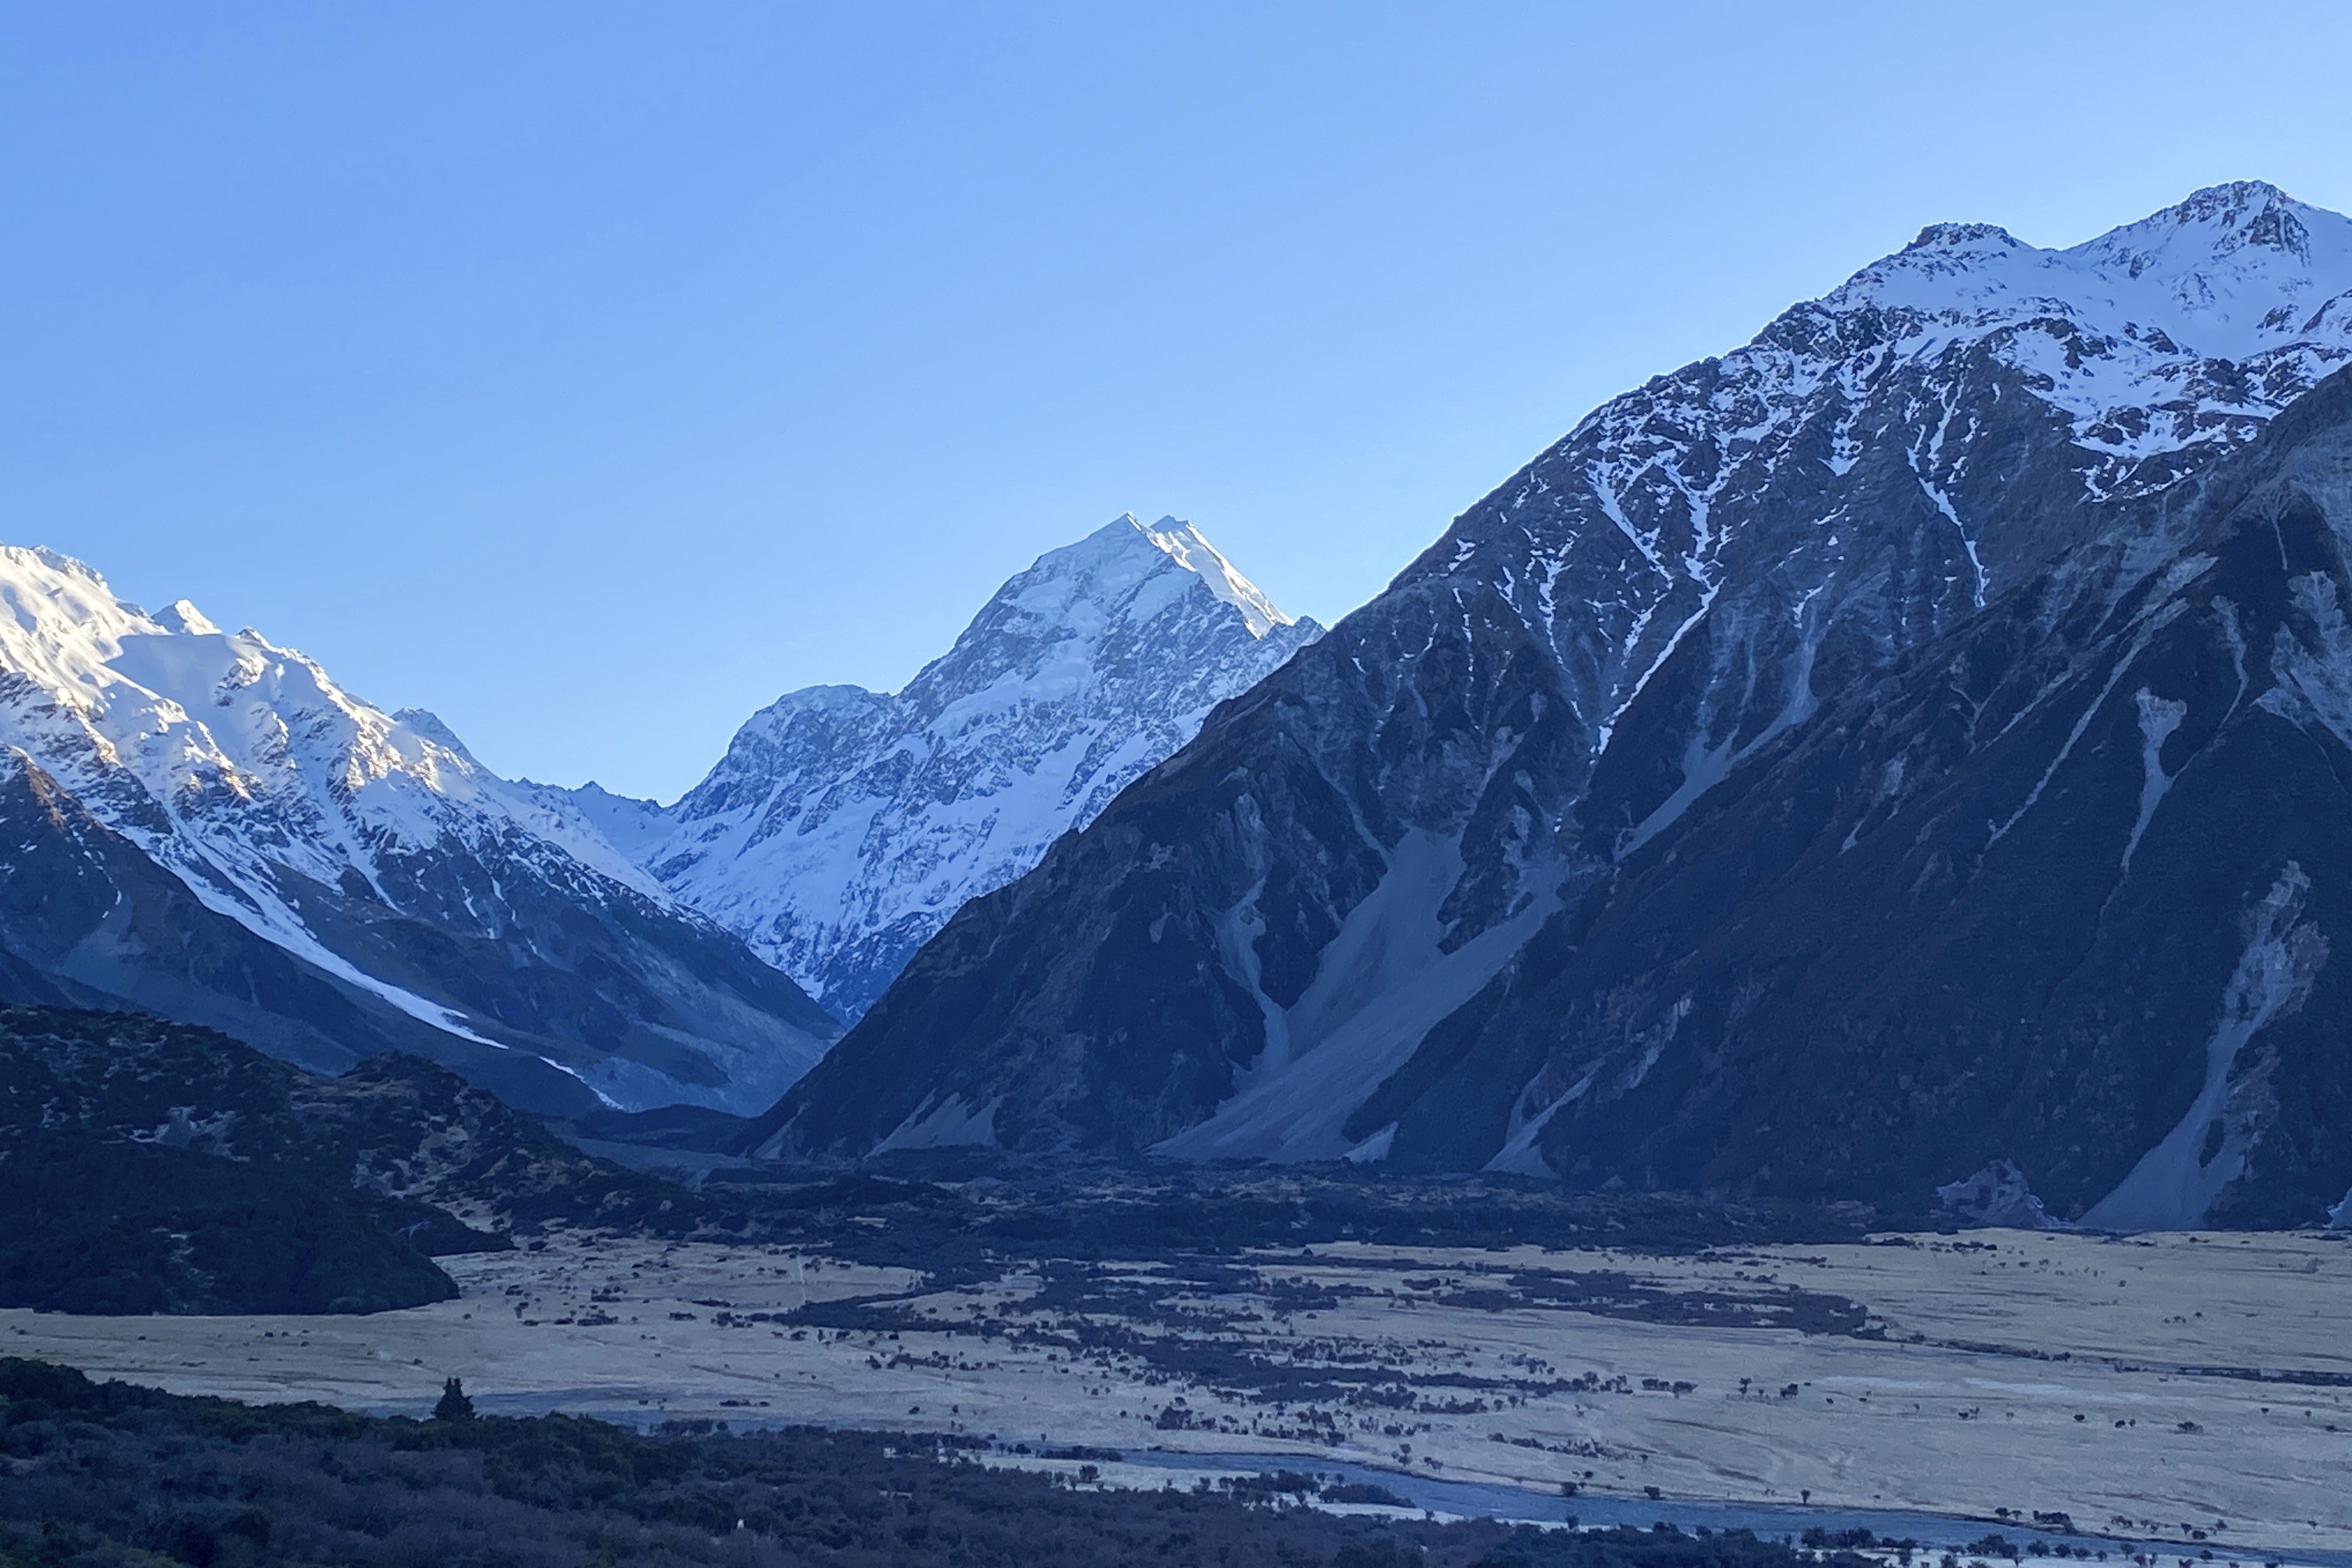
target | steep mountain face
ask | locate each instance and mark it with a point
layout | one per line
(1269, 947)
(844, 827)
(2040, 924)
(207, 825)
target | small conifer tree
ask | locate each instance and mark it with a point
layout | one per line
(454, 1406)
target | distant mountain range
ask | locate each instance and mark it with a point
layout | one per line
(1904, 759)
(1899, 761)
(843, 826)
(208, 827)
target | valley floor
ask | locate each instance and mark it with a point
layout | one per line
(2190, 1388)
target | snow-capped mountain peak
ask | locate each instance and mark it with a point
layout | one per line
(2219, 221)
(181, 616)
(2191, 326)
(1963, 236)
(1083, 593)
(1190, 549)
(843, 826)
(215, 725)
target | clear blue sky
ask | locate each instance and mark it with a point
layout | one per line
(592, 373)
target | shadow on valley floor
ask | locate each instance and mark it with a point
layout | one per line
(958, 1218)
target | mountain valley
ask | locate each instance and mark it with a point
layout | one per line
(1679, 895)
(1774, 789)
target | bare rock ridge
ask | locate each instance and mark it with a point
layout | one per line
(206, 826)
(1792, 781)
(843, 826)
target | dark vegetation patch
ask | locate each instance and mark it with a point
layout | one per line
(955, 1218)
(153, 1166)
(1617, 1295)
(1660, 1546)
(408, 1139)
(96, 1225)
(106, 1475)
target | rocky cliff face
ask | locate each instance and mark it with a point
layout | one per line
(207, 825)
(843, 826)
(1266, 946)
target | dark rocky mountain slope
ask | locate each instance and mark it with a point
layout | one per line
(1325, 928)
(2052, 905)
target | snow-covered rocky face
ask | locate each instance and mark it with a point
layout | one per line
(844, 827)
(2192, 325)
(292, 808)
(252, 761)
(253, 753)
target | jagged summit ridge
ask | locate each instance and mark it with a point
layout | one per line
(1958, 237)
(236, 741)
(2254, 210)
(2192, 325)
(843, 826)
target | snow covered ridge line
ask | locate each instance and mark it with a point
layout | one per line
(199, 718)
(217, 725)
(2188, 327)
(342, 835)
(843, 826)
(1190, 549)
(2197, 322)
